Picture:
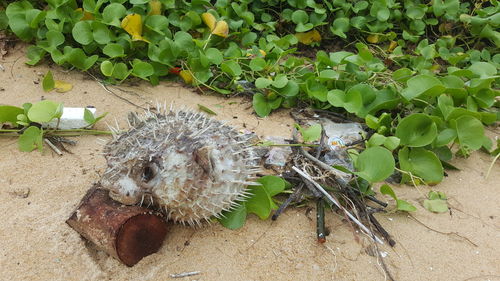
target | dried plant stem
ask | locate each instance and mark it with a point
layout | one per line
(336, 203)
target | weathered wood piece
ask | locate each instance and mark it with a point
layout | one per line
(127, 233)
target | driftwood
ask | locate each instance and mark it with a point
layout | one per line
(127, 233)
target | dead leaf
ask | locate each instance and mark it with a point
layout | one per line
(392, 46)
(186, 76)
(133, 25)
(155, 7)
(221, 29)
(309, 37)
(373, 38)
(209, 20)
(62, 87)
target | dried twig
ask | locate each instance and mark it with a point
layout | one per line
(185, 274)
(114, 94)
(336, 203)
(296, 193)
(53, 147)
(320, 220)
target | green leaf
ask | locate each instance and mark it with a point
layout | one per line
(280, 81)
(257, 64)
(101, 33)
(403, 205)
(376, 140)
(107, 68)
(483, 69)
(416, 130)
(82, 32)
(387, 190)
(469, 131)
(113, 13)
(113, 50)
(329, 74)
(231, 67)
(142, 69)
(48, 82)
(259, 202)
(290, 90)
(445, 137)
(371, 172)
(317, 90)
(402, 75)
(422, 85)
(35, 54)
(262, 82)
(340, 26)
(391, 143)
(261, 105)
(44, 111)
(120, 71)
(421, 163)
(9, 114)
(30, 139)
(313, 133)
(235, 218)
(206, 109)
(88, 116)
(273, 184)
(214, 55)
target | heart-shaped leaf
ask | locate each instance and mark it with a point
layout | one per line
(369, 167)
(421, 163)
(422, 85)
(416, 130)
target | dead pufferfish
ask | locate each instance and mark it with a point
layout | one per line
(189, 165)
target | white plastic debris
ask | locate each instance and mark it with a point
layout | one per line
(72, 118)
(278, 155)
(341, 134)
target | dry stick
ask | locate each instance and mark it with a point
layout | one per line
(381, 230)
(114, 94)
(287, 202)
(441, 232)
(336, 203)
(369, 197)
(53, 147)
(185, 274)
(321, 164)
(320, 220)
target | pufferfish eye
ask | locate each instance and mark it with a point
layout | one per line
(149, 172)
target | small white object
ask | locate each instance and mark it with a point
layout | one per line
(72, 118)
(384, 254)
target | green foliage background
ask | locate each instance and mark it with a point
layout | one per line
(422, 74)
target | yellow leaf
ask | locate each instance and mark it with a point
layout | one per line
(263, 53)
(309, 37)
(373, 38)
(221, 29)
(133, 25)
(86, 15)
(62, 87)
(186, 76)
(155, 7)
(392, 46)
(209, 20)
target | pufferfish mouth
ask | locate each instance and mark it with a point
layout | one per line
(127, 199)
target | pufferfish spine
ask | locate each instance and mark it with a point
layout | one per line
(189, 165)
